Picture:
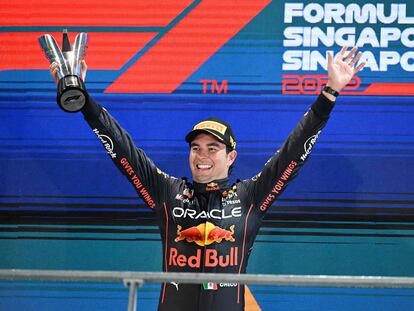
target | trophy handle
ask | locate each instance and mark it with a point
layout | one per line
(54, 54)
(79, 51)
(71, 93)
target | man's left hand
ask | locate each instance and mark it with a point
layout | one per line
(342, 68)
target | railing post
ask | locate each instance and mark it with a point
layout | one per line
(132, 297)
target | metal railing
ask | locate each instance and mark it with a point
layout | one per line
(133, 280)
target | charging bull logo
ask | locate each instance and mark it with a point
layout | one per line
(205, 234)
(212, 186)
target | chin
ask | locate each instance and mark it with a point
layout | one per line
(202, 180)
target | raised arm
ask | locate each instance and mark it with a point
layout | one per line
(265, 187)
(341, 69)
(149, 181)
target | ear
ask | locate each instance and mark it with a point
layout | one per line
(231, 157)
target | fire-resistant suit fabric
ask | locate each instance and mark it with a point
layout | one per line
(207, 227)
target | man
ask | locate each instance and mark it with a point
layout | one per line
(208, 225)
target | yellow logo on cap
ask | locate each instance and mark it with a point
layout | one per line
(232, 142)
(212, 126)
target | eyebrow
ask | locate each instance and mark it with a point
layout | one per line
(208, 145)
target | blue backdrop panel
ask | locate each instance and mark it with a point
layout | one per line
(63, 205)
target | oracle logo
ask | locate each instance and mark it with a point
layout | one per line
(180, 212)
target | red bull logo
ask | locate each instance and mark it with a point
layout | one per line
(212, 186)
(205, 234)
(211, 258)
(217, 234)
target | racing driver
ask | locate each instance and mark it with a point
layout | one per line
(209, 225)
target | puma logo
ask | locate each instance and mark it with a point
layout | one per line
(175, 284)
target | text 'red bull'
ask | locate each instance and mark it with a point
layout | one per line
(211, 258)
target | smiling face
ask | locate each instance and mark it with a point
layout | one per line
(209, 159)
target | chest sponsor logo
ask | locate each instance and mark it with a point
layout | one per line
(107, 143)
(205, 234)
(211, 258)
(180, 212)
(184, 198)
(227, 201)
(230, 195)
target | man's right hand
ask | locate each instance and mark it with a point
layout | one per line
(53, 68)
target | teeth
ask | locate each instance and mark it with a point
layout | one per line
(203, 166)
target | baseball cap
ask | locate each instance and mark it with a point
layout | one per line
(216, 127)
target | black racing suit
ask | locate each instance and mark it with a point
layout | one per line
(207, 227)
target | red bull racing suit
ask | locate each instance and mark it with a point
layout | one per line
(207, 227)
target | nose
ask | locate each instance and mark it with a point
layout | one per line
(203, 153)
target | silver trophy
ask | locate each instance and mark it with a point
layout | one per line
(71, 91)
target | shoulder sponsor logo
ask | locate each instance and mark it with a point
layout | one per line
(256, 177)
(308, 145)
(180, 212)
(107, 143)
(162, 173)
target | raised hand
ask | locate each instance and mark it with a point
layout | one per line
(342, 68)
